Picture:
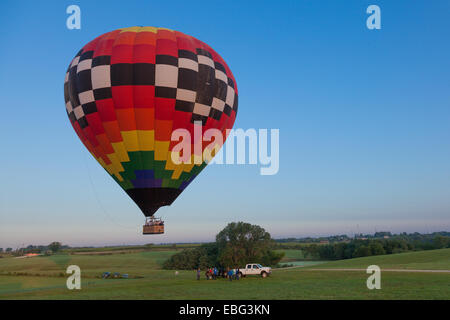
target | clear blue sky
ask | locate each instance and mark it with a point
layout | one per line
(364, 119)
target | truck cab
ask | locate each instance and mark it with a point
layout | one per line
(255, 269)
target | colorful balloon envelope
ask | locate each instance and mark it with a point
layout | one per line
(128, 90)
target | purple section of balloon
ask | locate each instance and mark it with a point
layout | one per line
(146, 179)
(184, 184)
(144, 174)
(147, 183)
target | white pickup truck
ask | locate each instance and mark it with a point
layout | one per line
(255, 268)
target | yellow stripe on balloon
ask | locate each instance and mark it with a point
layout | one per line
(130, 140)
(146, 140)
(210, 152)
(161, 150)
(187, 167)
(116, 166)
(120, 151)
(130, 29)
(177, 172)
(143, 29)
(110, 168)
(102, 163)
(174, 163)
(148, 29)
(165, 29)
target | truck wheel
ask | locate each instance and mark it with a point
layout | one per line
(263, 274)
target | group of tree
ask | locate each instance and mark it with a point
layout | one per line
(236, 245)
(335, 238)
(372, 247)
(50, 248)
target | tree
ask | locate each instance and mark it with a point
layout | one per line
(339, 250)
(188, 259)
(54, 246)
(362, 251)
(237, 244)
(271, 258)
(440, 242)
(376, 248)
(8, 249)
(240, 243)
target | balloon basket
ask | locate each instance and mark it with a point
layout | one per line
(153, 226)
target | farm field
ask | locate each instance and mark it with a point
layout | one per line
(44, 278)
(421, 260)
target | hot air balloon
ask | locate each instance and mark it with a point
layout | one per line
(127, 90)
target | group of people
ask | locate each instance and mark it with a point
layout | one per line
(213, 273)
(154, 223)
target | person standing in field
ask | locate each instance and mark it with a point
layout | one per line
(198, 273)
(230, 274)
(237, 273)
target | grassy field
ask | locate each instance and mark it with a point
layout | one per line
(292, 255)
(425, 260)
(44, 278)
(136, 264)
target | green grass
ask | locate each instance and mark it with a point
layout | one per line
(283, 284)
(148, 247)
(135, 264)
(292, 255)
(297, 283)
(301, 263)
(425, 260)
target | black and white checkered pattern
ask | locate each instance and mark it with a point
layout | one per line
(87, 79)
(73, 105)
(198, 84)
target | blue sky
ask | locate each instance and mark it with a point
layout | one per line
(363, 118)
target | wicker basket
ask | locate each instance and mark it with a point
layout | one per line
(153, 229)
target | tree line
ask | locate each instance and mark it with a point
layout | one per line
(371, 247)
(40, 249)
